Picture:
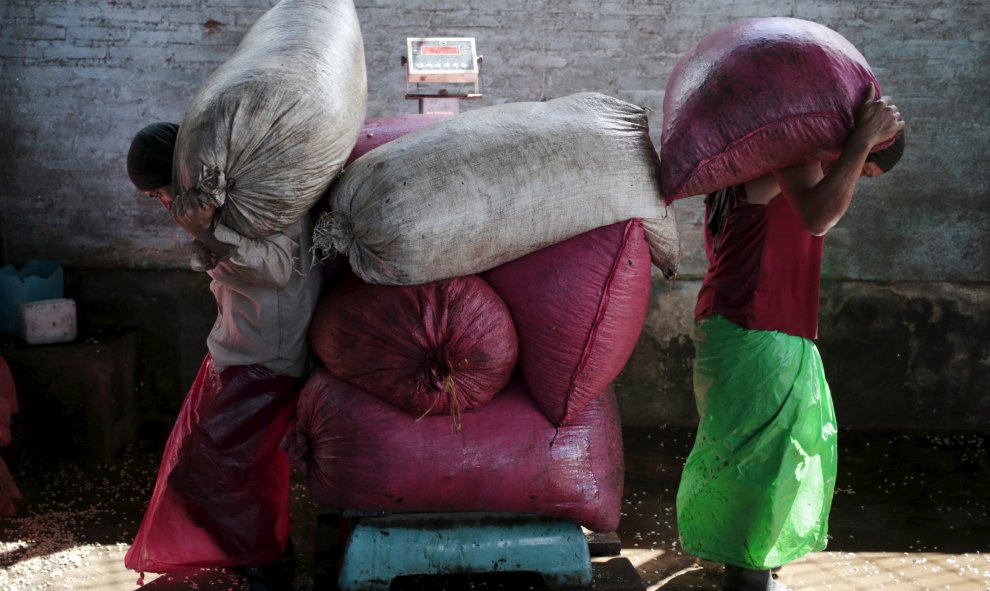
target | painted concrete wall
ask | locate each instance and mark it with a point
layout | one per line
(79, 77)
(900, 355)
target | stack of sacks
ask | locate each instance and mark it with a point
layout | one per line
(757, 96)
(539, 436)
(487, 388)
(273, 126)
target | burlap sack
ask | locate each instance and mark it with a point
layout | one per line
(491, 185)
(272, 127)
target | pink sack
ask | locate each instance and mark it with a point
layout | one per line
(757, 96)
(382, 130)
(579, 308)
(436, 348)
(365, 455)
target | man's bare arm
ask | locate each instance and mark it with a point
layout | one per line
(821, 201)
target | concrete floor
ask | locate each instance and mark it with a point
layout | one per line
(910, 513)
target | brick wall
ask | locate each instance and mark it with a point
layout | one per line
(79, 77)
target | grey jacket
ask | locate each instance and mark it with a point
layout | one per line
(266, 292)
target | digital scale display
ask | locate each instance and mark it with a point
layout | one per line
(441, 59)
(427, 50)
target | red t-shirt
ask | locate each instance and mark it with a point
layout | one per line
(764, 268)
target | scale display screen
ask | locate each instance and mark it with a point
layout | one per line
(438, 58)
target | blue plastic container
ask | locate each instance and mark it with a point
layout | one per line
(37, 279)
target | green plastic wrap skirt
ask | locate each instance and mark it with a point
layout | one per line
(757, 486)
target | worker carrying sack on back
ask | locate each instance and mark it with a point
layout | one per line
(273, 126)
(469, 193)
(759, 95)
(777, 120)
(263, 139)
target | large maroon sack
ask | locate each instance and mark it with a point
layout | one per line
(756, 96)
(579, 308)
(436, 348)
(364, 454)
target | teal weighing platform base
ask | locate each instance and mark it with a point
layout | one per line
(454, 551)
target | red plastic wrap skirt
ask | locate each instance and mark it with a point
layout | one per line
(222, 493)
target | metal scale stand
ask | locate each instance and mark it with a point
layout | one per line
(455, 551)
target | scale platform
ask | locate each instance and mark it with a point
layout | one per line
(466, 551)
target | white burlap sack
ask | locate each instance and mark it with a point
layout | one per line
(273, 126)
(494, 184)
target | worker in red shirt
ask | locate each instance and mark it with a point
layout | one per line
(757, 486)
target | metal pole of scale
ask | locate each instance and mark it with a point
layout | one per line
(441, 72)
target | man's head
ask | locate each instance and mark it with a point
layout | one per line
(883, 160)
(149, 161)
(878, 162)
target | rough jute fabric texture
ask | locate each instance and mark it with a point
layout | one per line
(273, 126)
(488, 186)
(378, 132)
(757, 96)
